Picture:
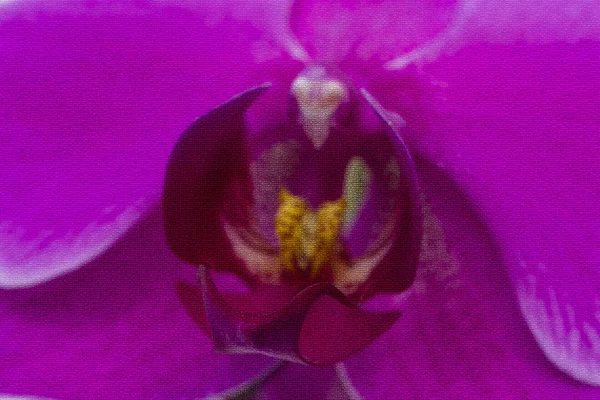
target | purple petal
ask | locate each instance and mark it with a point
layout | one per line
(93, 96)
(508, 22)
(403, 32)
(114, 329)
(518, 127)
(317, 326)
(533, 21)
(367, 29)
(461, 333)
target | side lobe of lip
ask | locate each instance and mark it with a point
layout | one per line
(206, 170)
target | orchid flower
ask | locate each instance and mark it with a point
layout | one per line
(493, 106)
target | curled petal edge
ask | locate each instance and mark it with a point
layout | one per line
(318, 326)
(207, 161)
(389, 275)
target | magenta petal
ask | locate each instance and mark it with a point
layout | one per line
(461, 335)
(318, 326)
(114, 329)
(519, 128)
(367, 29)
(93, 95)
(533, 21)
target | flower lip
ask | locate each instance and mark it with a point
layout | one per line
(318, 325)
(212, 203)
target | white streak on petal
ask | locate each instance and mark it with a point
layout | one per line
(9, 397)
(27, 262)
(571, 344)
(507, 22)
(270, 17)
(431, 50)
(535, 21)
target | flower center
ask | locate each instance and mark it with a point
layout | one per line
(308, 239)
